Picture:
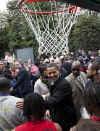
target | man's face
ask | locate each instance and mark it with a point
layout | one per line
(51, 74)
(76, 70)
(93, 74)
(58, 63)
(1, 66)
(90, 71)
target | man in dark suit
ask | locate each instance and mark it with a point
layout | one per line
(23, 83)
(60, 100)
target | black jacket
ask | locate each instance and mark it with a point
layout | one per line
(61, 105)
(23, 84)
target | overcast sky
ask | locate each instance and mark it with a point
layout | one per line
(3, 4)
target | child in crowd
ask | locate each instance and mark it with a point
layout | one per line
(34, 110)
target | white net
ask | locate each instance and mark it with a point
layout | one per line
(51, 23)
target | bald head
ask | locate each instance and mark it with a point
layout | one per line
(76, 68)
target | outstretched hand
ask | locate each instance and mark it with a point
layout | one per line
(47, 115)
(20, 104)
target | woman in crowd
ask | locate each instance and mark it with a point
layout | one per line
(34, 110)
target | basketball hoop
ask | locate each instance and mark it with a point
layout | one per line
(39, 12)
(51, 23)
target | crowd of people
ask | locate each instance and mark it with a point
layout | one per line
(56, 93)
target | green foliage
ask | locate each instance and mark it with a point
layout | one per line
(15, 32)
(85, 34)
(3, 41)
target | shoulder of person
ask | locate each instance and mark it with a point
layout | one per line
(63, 84)
(83, 73)
(70, 77)
(58, 127)
(38, 81)
(13, 98)
(61, 81)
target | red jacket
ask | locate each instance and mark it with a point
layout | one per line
(37, 126)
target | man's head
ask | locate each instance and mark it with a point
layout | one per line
(91, 97)
(1, 66)
(4, 85)
(34, 70)
(93, 71)
(58, 62)
(50, 72)
(34, 107)
(76, 68)
(90, 71)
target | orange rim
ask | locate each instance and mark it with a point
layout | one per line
(39, 13)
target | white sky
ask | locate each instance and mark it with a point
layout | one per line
(3, 4)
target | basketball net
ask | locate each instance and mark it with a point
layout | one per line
(51, 23)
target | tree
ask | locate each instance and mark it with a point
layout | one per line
(88, 4)
(4, 40)
(85, 34)
(14, 30)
